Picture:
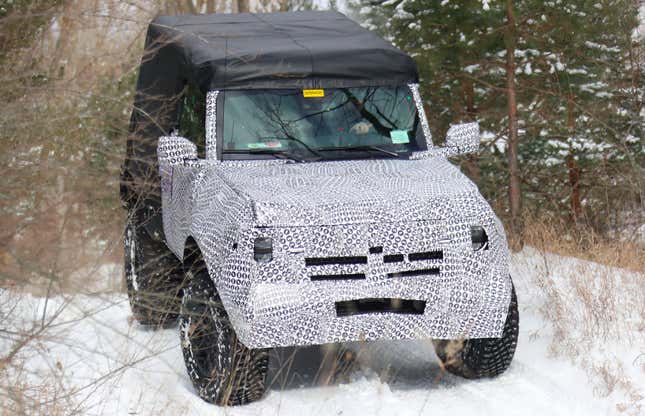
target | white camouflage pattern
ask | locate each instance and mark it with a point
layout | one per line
(331, 209)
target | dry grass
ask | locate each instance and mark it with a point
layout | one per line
(555, 235)
(66, 93)
(21, 390)
(601, 298)
(595, 308)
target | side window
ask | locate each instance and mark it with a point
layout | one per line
(192, 118)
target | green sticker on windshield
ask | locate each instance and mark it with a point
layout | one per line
(265, 145)
(399, 136)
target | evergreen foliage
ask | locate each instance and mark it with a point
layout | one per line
(579, 90)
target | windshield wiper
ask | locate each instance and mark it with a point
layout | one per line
(300, 142)
(359, 149)
(280, 154)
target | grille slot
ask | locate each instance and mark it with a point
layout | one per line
(323, 261)
(426, 255)
(376, 250)
(392, 258)
(342, 276)
(433, 271)
(376, 305)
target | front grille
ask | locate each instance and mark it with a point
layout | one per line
(426, 255)
(393, 258)
(376, 305)
(433, 271)
(362, 260)
(323, 261)
(341, 276)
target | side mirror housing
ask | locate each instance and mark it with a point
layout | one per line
(463, 138)
(174, 150)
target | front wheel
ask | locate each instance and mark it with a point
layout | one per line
(482, 357)
(221, 368)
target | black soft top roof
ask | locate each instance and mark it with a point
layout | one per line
(312, 49)
(245, 51)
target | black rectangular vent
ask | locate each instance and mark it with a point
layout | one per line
(376, 305)
(322, 261)
(376, 250)
(422, 272)
(345, 276)
(426, 255)
(392, 258)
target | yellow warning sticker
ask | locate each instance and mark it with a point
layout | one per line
(313, 93)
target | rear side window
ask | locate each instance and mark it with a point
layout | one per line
(192, 118)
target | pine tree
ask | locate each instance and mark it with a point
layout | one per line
(579, 92)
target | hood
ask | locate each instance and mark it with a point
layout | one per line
(357, 191)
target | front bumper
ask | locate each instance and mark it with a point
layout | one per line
(293, 299)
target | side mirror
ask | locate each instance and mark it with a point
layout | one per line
(463, 138)
(174, 150)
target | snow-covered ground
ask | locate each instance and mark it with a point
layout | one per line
(113, 366)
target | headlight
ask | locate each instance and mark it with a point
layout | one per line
(479, 237)
(263, 249)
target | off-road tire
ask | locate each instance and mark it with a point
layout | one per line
(153, 276)
(221, 368)
(482, 357)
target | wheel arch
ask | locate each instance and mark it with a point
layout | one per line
(192, 253)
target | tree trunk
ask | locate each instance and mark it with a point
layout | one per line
(572, 165)
(471, 164)
(514, 191)
(243, 6)
(574, 182)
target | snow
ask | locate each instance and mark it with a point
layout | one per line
(118, 367)
(605, 48)
(528, 70)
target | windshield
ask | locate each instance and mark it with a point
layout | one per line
(320, 124)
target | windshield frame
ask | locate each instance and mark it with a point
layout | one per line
(215, 133)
